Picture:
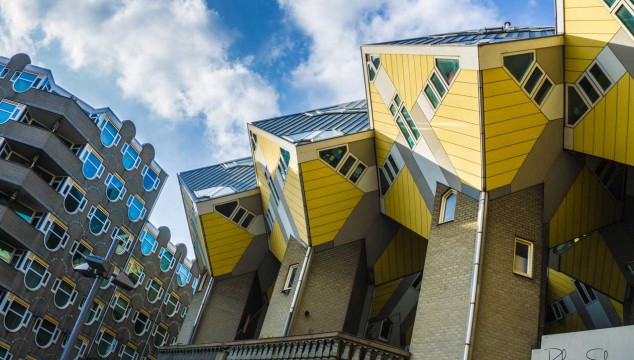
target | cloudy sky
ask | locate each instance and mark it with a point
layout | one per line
(192, 73)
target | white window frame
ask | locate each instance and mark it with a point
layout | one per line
(185, 311)
(124, 349)
(46, 226)
(531, 255)
(189, 274)
(282, 165)
(114, 303)
(81, 349)
(585, 290)
(443, 203)
(144, 173)
(155, 332)
(72, 296)
(116, 136)
(172, 262)
(594, 85)
(174, 299)
(25, 264)
(147, 232)
(132, 203)
(370, 64)
(5, 346)
(54, 335)
(100, 338)
(160, 292)
(383, 323)
(109, 181)
(8, 299)
(127, 149)
(147, 322)
(98, 311)
(140, 265)
(39, 81)
(271, 184)
(85, 157)
(560, 310)
(127, 243)
(65, 191)
(106, 224)
(17, 111)
(75, 247)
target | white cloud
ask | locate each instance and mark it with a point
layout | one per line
(333, 70)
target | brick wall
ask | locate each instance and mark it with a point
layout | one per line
(509, 304)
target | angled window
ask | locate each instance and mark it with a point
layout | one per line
(438, 85)
(239, 214)
(74, 196)
(160, 334)
(131, 158)
(79, 350)
(448, 68)
(405, 123)
(357, 172)
(120, 305)
(543, 91)
(576, 107)
(333, 156)
(290, 277)
(586, 292)
(373, 62)
(254, 140)
(197, 281)
(24, 80)
(588, 89)
(150, 178)
(226, 209)
(46, 332)
(431, 96)
(626, 17)
(148, 241)
(448, 206)
(533, 80)
(171, 304)
(128, 352)
(124, 239)
(285, 158)
(93, 163)
(247, 220)
(271, 185)
(519, 64)
(183, 275)
(4, 347)
(154, 289)
(385, 330)
(388, 173)
(600, 77)
(134, 269)
(141, 322)
(55, 236)
(109, 132)
(270, 219)
(105, 283)
(185, 311)
(10, 110)
(523, 260)
(115, 187)
(35, 271)
(65, 293)
(167, 259)
(95, 311)
(559, 309)
(15, 310)
(136, 208)
(98, 220)
(107, 341)
(79, 250)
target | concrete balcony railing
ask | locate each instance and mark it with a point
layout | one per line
(331, 346)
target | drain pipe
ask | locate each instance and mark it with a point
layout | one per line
(202, 308)
(300, 285)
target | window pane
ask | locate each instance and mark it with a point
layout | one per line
(588, 89)
(522, 255)
(247, 220)
(371, 72)
(448, 68)
(576, 106)
(450, 208)
(600, 77)
(532, 80)
(356, 174)
(433, 99)
(333, 156)
(406, 134)
(438, 84)
(626, 18)
(518, 65)
(347, 165)
(609, 2)
(227, 208)
(410, 123)
(149, 179)
(383, 183)
(6, 252)
(543, 91)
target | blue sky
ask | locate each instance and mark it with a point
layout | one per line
(191, 73)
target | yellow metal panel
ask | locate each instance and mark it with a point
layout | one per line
(404, 255)
(271, 152)
(382, 294)
(276, 242)
(618, 307)
(383, 145)
(404, 200)
(295, 200)
(226, 242)
(559, 285)
(622, 118)
(407, 74)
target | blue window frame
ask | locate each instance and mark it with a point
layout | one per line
(115, 187)
(93, 163)
(183, 275)
(148, 242)
(8, 110)
(131, 158)
(150, 178)
(22, 81)
(109, 133)
(136, 208)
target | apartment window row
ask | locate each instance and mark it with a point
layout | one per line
(343, 162)
(236, 213)
(373, 62)
(282, 165)
(623, 11)
(440, 79)
(591, 87)
(529, 75)
(404, 121)
(388, 172)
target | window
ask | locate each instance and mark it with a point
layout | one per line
(74, 197)
(529, 75)
(79, 250)
(35, 271)
(271, 185)
(254, 140)
(385, 330)
(128, 352)
(131, 158)
(24, 80)
(438, 85)
(373, 62)
(540, 95)
(523, 260)
(448, 68)
(148, 241)
(115, 187)
(150, 178)
(519, 64)
(227, 209)
(183, 275)
(404, 121)
(15, 311)
(79, 350)
(448, 206)
(197, 281)
(533, 79)
(285, 158)
(185, 311)
(10, 110)
(6, 252)
(46, 332)
(54, 231)
(136, 208)
(389, 172)
(348, 166)
(576, 107)
(109, 132)
(105, 283)
(559, 309)
(431, 96)
(65, 293)
(120, 306)
(333, 156)
(141, 322)
(171, 304)
(124, 239)
(588, 89)
(586, 292)
(290, 278)
(94, 312)
(630, 267)
(154, 290)
(270, 219)
(600, 76)
(4, 70)
(160, 335)
(235, 213)
(626, 18)
(99, 222)
(106, 339)
(93, 163)
(4, 347)
(167, 259)
(134, 269)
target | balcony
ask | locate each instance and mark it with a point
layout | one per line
(318, 346)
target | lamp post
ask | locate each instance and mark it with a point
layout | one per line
(97, 268)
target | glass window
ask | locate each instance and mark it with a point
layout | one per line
(290, 277)
(35, 272)
(373, 62)
(4, 70)
(239, 214)
(410, 123)
(285, 158)
(167, 259)
(4, 348)
(185, 311)
(247, 220)
(431, 96)
(577, 107)
(15, 311)
(171, 304)
(141, 322)
(124, 239)
(626, 18)
(74, 197)
(448, 206)
(94, 312)
(406, 134)
(384, 184)
(131, 159)
(78, 251)
(448, 69)
(523, 261)
(518, 65)
(120, 307)
(128, 352)
(540, 95)
(270, 218)
(136, 208)
(109, 133)
(601, 78)
(154, 290)
(197, 281)
(586, 292)
(134, 269)
(107, 342)
(183, 275)
(533, 79)
(99, 222)
(79, 350)
(358, 171)
(93, 163)
(24, 81)
(440, 87)
(609, 2)
(55, 235)
(115, 187)
(150, 178)
(227, 209)
(347, 165)
(8, 110)
(160, 335)
(65, 293)
(588, 89)
(148, 242)
(271, 186)
(46, 332)
(6, 252)
(333, 156)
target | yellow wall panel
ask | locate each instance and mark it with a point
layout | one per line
(382, 294)
(276, 242)
(295, 200)
(559, 285)
(408, 74)
(226, 242)
(618, 307)
(404, 255)
(271, 152)
(587, 206)
(405, 204)
(591, 261)
(324, 189)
